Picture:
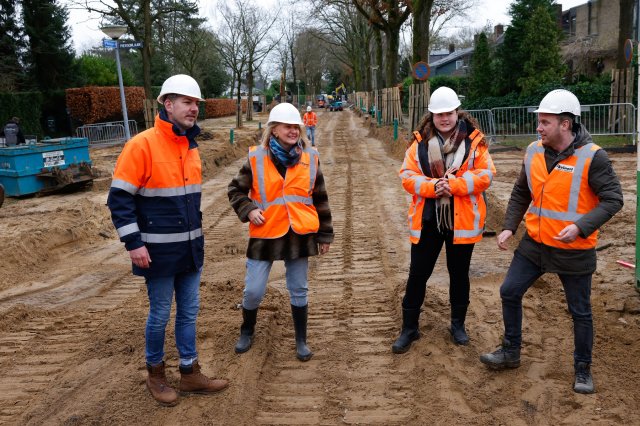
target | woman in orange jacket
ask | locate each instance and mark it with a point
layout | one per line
(446, 170)
(280, 191)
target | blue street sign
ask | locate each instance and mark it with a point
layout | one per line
(109, 44)
(628, 50)
(131, 45)
(421, 70)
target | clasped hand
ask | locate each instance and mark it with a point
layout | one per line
(442, 188)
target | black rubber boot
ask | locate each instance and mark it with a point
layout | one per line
(246, 330)
(300, 313)
(506, 356)
(458, 333)
(409, 333)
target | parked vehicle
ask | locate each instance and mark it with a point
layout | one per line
(321, 101)
(335, 105)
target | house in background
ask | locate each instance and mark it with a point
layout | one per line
(456, 62)
(591, 33)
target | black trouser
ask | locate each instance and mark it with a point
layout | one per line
(423, 259)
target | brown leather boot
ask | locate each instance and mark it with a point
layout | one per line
(193, 381)
(157, 385)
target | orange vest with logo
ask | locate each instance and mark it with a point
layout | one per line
(310, 119)
(471, 180)
(286, 202)
(561, 197)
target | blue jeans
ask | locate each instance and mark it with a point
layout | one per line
(255, 281)
(311, 135)
(577, 289)
(160, 290)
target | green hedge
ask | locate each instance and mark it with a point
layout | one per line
(27, 106)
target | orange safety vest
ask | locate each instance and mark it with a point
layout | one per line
(468, 186)
(286, 202)
(561, 197)
(310, 119)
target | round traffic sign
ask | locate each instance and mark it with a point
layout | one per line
(421, 70)
(628, 50)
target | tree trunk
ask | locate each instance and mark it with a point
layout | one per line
(377, 75)
(393, 45)
(250, 91)
(626, 31)
(421, 20)
(239, 106)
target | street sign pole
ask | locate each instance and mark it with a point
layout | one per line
(123, 100)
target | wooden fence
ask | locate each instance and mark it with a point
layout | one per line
(418, 102)
(621, 92)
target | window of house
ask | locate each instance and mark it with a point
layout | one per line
(459, 64)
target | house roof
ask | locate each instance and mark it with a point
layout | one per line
(452, 57)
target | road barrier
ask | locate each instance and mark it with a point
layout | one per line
(111, 133)
(616, 119)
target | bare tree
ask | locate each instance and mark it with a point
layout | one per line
(349, 38)
(388, 16)
(139, 17)
(256, 25)
(232, 51)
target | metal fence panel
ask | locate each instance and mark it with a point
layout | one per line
(486, 122)
(599, 119)
(111, 133)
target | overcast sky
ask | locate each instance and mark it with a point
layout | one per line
(86, 32)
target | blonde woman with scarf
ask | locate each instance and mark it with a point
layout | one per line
(446, 170)
(280, 191)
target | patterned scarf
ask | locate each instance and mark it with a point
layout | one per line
(445, 158)
(284, 157)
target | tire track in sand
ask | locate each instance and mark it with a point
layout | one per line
(353, 376)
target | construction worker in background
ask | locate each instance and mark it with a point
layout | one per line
(12, 133)
(310, 120)
(155, 206)
(280, 191)
(446, 170)
(566, 191)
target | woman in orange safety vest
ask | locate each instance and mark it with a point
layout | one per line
(280, 191)
(446, 170)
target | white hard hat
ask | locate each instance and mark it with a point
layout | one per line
(284, 113)
(443, 99)
(559, 101)
(309, 109)
(180, 84)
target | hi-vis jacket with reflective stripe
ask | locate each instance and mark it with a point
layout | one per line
(467, 187)
(561, 197)
(155, 199)
(310, 119)
(286, 202)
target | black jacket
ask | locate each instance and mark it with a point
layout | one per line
(604, 183)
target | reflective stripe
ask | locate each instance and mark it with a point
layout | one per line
(171, 238)
(280, 201)
(313, 154)
(128, 229)
(552, 214)
(260, 153)
(466, 233)
(170, 192)
(468, 177)
(415, 232)
(418, 180)
(585, 153)
(533, 148)
(125, 186)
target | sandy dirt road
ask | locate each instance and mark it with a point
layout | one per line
(72, 316)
